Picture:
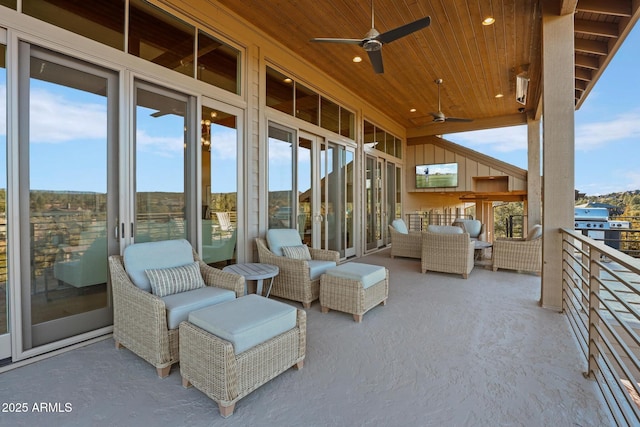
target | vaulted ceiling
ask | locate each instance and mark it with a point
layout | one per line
(476, 62)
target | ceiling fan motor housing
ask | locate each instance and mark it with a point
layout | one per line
(372, 45)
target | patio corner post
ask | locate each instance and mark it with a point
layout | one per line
(558, 106)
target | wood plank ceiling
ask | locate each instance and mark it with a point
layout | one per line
(476, 62)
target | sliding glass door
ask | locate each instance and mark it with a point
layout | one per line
(5, 337)
(68, 126)
(311, 188)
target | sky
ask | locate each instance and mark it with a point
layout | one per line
(607, 130)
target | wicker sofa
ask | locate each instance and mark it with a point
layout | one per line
(141, 319)
(404, 243)
(298, 279)
(519, 254)
(448, 250)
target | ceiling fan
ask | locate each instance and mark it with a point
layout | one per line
(439, 117)
(373, 40)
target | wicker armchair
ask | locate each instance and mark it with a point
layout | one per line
(140, 318)
(294, 282)
(474, 227)
(519, 254)
(447, 253)
(405, 245)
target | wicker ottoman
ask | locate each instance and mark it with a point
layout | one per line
(223, 352)
(354, 288)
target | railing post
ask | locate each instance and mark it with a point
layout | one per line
(594, 307)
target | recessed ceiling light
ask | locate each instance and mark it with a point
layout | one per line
(488, 20)
(287, 80)
(499, 95)
(413, 110)
(357, 59)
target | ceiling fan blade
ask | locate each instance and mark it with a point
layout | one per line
(375, 56)
(457, 119)
(334, 40)
(404, 30)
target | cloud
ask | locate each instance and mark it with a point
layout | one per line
(504, 140)
(224, 143)
(595, 135)
(165, 146)
(56, 119)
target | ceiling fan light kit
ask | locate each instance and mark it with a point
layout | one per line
(373, 40)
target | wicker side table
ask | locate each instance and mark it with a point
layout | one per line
(346, 289)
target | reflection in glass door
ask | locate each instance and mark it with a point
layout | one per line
(308, 218)
(390, 200)
(373, 202)
(219, 145)
(160, 164)
(68, 112)
(336, 185)
(5, 339)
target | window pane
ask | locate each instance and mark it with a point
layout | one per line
(307, 104)
(160, 166)
(102, 21)
(4, 313)
(220, 186)
(218, 64)
(158, 37)
(329, 115)
(9, 3)
(369, 132)
(306, 207)
(280, 200)
(67, 209)
(279, 91)
(347, 121)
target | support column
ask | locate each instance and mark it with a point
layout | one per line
(534, 181)
(558, 146)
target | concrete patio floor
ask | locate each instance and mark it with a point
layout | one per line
(444, 351)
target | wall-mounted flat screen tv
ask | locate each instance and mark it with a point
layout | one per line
(437, 175)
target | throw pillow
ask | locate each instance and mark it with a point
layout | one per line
(297, 252)
(169, 281)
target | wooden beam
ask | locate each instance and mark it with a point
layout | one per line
(615, 8)
(583, 74)
(591, 46)
(581, 85)
(586, 61)
(593, 28)
(567, 7)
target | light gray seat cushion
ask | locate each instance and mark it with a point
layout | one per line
(318, 267)
(151, 255)
(247, 321)
(181, 304)
(368, 274)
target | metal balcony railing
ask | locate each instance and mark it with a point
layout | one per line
(601, 298)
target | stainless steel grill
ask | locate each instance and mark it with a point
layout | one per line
(591, 219)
